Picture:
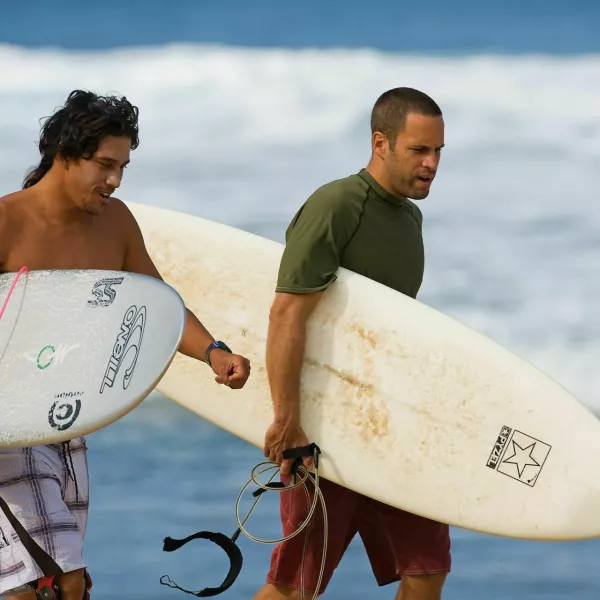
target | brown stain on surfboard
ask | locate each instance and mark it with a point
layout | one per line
(342, 375)
(365, 335)
(362, 414)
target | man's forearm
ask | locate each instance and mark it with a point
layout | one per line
(285, 354)
(196, 338)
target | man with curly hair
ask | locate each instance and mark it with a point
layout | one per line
(65, 217)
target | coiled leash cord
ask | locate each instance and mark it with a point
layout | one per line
(228, 544)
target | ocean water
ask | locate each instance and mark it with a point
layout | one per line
(461, 26)
(242, 116)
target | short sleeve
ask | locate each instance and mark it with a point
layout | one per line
(315, 241)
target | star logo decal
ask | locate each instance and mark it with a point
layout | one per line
(518, 455)
(522, 457)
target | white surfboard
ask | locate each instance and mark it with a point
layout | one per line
(80, 349)
(408, 406)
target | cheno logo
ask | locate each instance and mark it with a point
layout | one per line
(126, 348)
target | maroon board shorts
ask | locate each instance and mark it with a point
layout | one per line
(396, 542)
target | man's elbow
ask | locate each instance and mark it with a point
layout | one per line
(283, 310)
(292, 308)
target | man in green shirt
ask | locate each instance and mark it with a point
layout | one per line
(365, 223)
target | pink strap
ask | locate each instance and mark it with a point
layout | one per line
(12, 287)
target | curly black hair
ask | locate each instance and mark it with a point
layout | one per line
(76, 129)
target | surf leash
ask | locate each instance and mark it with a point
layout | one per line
(22, 270)
(229, 545)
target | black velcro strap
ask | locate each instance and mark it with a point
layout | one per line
(227, 544)
(298, 454)
(46, 563)
(274, 485)
(311, 450)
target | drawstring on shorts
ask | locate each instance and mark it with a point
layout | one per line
(67, 460)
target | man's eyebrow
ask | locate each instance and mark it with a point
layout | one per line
(425, 146)
(112, 160)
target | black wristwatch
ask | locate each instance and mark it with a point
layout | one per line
(212, 346)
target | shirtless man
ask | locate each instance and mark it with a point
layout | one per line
(66, 218)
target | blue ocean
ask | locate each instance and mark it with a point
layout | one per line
(256, 104)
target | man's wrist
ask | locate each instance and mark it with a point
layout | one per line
(287, 418)
(216, 345)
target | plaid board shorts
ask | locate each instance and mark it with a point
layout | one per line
(47, 490)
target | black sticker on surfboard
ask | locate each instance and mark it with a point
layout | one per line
(104, 294)
(65, 410)
(518, 455)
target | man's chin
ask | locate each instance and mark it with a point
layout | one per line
(419, 194)
(420, 189)
(95, 210)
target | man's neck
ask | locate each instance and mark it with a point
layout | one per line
(377, 172)
(54, 205)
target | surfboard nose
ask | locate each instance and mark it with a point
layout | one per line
(79, 349)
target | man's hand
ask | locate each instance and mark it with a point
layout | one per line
(280, 437)
(231, 370)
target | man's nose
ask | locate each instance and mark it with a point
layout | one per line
(431, 161)
(114, 180)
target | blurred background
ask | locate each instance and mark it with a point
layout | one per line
(245, 108)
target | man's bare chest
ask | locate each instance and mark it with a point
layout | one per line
(45, 248)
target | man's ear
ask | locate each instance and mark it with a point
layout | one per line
(380, 145)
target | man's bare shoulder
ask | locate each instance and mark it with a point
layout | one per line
(13, 207)
(118, 209)
(13, 215)
(14, 200)
(121, 216)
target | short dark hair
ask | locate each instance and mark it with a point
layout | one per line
(76, 129)
(392, 107)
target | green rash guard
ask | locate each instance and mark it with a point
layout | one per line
(353, 223)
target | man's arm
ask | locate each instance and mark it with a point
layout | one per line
(286, 341)
(285, 352)
(231, 369)
(311, 258)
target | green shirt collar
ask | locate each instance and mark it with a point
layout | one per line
(379, 190)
